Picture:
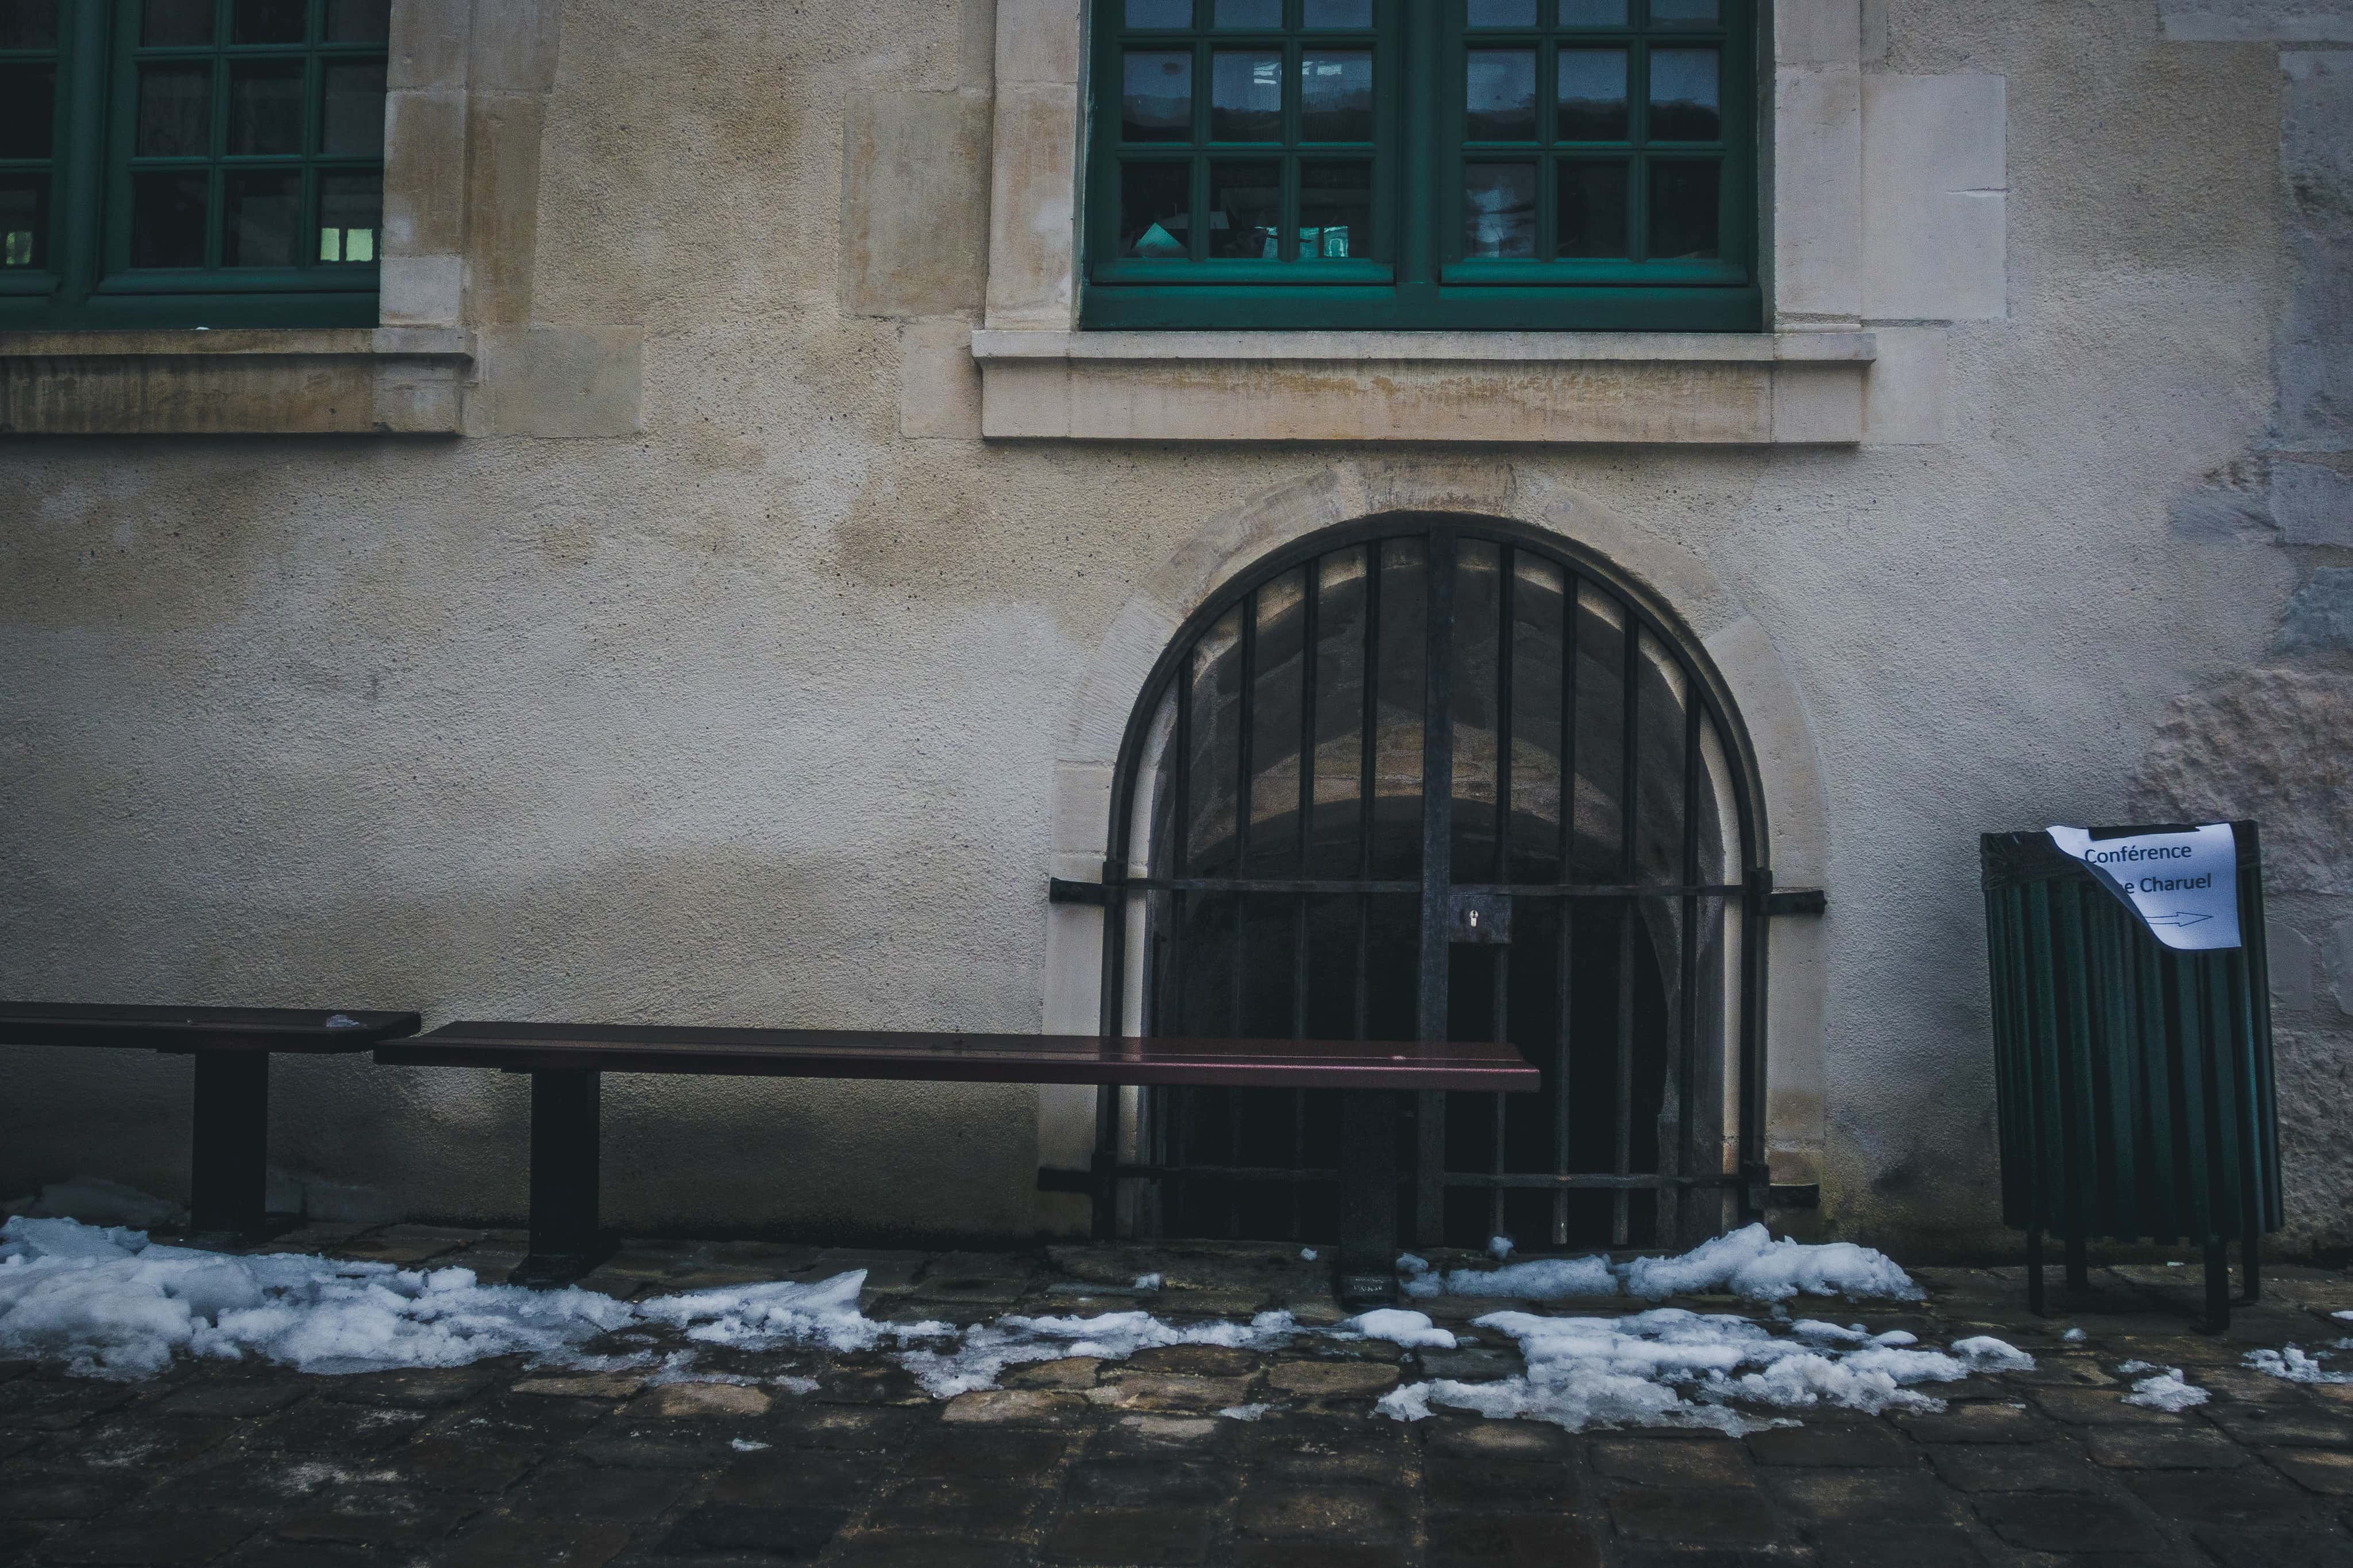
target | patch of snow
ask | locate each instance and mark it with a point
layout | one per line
(1748, 1262)
(1499, 1248)
(1149, 1282)
(1244, 1412)
(2135, 1368)
(1407, 1402)
(975, 1358)
(781, 1312)
(747, 1445)
(110, 1303)
(2296, 1366)
(2075, 1336)
(1537, 1279)
(2344, 1317)
(1399, 1327)
(1674, 1368)
(1308, 1253)
(793, 1384)
(2166, 1391)
(1983, 1352)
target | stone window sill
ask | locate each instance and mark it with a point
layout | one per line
(1675, 388)
(325, 381)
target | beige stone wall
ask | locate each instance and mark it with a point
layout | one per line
(721, 671)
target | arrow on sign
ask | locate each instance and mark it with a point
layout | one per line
(2178, 918)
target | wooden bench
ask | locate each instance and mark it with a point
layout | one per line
(565, 1059)
(230, 1142)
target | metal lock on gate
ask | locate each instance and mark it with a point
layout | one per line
(1481, 918)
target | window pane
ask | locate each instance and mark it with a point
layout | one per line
(28, 23)
(1156, 100)
(28, 105)
(265, 209)
(1265, 13)
(167, 220)
(1592, 96)
(351, 208)
(1155, 202)
(1593, 12)
(1335, 209)
(1499, 209)
(1159, 12)
(268, 22)
(359, 21)
(265, 107)
(1683, 99)
(1246, 96)
(1246, 210)
(353, 120)
(175, 110)
(1336, 14)
(1336, 95)
(1683, 208)
(1680, 13)
(176, 22)
(1500, 95)
(24, 220)
(1592, 210)
(1502, 14)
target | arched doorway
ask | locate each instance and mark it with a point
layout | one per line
(1436, 775)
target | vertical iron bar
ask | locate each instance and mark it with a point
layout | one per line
(1172, 1101)
(1310, 621)
(1499, 1014)
(1687, 978)
(1630, 747)
(1245, 805)
(1368, 783)
(1437, 871)
(1564, 987)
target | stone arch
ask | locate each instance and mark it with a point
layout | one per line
(1761, 689)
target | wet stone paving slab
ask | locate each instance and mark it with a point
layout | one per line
(1185, 1453)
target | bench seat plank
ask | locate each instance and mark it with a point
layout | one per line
(305, 1030)
(947, 1058)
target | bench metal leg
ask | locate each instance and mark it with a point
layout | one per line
(1103, 1165)
(2079, 1265)
(2217, 1284)
(1369, 1207)
(229, 1171)
(565, 1243)
(2253, 1269)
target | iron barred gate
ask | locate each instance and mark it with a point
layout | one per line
(1432, 776)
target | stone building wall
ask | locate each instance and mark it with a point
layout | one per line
(719, 671)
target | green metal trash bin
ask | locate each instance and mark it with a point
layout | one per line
(2135, 1077)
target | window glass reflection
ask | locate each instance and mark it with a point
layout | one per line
(1500, 95)
(1157, 96)
(1499, 210)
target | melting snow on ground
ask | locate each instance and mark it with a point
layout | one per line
(2296, 1366)
(1668, 1367)
(1749, 1262)
(110, 1303)
(2167, 1390)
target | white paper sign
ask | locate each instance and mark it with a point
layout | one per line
(2184, 886)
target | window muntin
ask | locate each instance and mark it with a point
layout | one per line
(208, 162)
(1423, 164)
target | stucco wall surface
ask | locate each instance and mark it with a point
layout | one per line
(751, 716)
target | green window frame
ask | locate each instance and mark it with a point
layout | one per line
(1422, 165)
(191, 162)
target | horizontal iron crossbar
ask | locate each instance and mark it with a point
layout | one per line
(1503, 889)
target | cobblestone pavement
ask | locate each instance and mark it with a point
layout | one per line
(1074, 1462)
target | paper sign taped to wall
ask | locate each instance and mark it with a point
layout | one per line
(2184, 886)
